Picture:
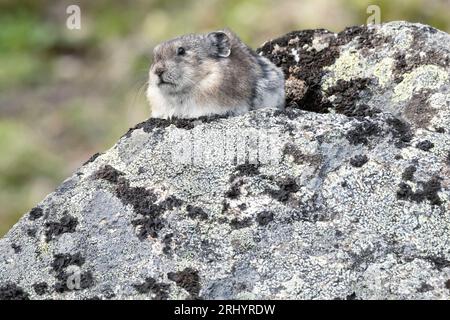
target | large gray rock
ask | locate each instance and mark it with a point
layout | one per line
(347, 193)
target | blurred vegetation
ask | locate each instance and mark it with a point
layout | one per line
(66, 94)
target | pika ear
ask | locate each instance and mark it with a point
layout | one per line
(220, 43)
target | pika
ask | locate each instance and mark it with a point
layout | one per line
(211, 74)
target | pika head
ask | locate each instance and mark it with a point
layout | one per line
(215, 73)
(180, 64)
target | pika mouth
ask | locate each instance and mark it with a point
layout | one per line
(163, 82)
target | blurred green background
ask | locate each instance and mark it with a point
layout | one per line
(66, 94)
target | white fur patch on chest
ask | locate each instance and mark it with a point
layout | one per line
(188, 107)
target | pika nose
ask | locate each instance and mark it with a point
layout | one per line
(159, 71)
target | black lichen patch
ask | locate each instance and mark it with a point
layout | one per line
(351, 296)
(167, 241)
(310, 69)
(359, 160)
(190, 123)
(292, 150)
(290, 113)
(149, 125)
(240, 224)
(60, 266)
(87, 280)
(425, 287)
(370, 39)
(362, 131)
(187, 124)
(310, 210)
(62, 260)
(160, 290)
(406, 63)
(427, 55)
(242, 206)
(248, 170)
(147, 226)
(149, 222)
(438, 262)
(108, 173)
(447, 160)
(235, 190)
(399, 67)
(16, 248)
(31, 232)
(401, 132)
(92, 158)
(447, 284)
(171, 202)
(365, 37)
(362, 258)
(430, 190)
(425, 145)
(440, 130)
(300, 37)
(11, 291)
(427, 190)
(404, 191)
(286, 186)
(196, 212)
(108, 293)
(35, 213)
(347, 94)
(41, 288)
(188, 279)
(264, 218)
(236, 181)
(143, 201)
(299, 157)
(408, 174)
(67, 224)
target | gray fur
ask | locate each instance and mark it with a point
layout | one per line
(217, 74)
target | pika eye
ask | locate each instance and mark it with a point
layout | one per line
(181, 51)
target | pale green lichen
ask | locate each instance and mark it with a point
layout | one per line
(423, 77)
(383, 71)
(349, 65)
